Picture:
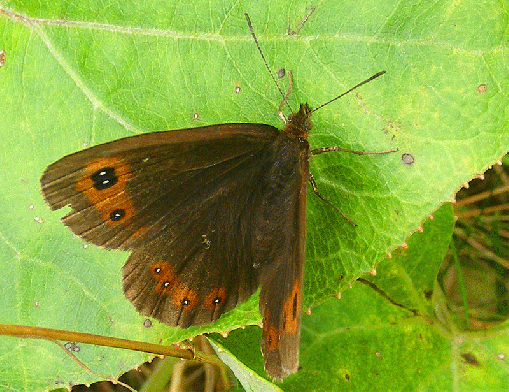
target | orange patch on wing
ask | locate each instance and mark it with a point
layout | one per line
(270, 333)
(271, 337)
(215, 298)
(292, 309)
(185, 298)
(110, 208)
(109, 199)
(165, 277)
(138, 232)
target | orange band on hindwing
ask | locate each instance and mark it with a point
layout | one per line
(270, 333)
(165, 277)
(292, 309)
(185, 298)
(215, 298)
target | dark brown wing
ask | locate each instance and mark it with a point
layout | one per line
(281, 235)
(121, 191)
(183, 201)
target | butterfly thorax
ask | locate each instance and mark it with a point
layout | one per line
(299, 124)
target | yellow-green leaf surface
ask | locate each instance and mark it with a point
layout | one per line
(81, 73)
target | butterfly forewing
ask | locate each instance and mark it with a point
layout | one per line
(118, 191)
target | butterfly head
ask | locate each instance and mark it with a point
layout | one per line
(299, 123)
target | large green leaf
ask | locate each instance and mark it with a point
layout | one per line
(82, 73)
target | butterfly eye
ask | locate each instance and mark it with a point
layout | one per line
(187, 304)
(164, 286)
(215, 298)
(104, 178)
(158, 267)
(104, 185)
(117, 215)
(185, 298)
(164, 276)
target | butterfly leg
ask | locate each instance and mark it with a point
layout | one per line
(336, 148)
(317, 193)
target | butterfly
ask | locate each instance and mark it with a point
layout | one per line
(209, 214)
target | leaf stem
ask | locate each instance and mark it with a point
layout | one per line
(54, 335)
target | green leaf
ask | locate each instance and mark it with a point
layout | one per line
(83, 73)
(247, 377)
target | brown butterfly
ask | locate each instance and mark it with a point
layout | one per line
(209, 213)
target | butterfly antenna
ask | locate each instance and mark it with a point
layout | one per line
(350, 90)
(265, 61)
(302, 23)
(285, 98)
